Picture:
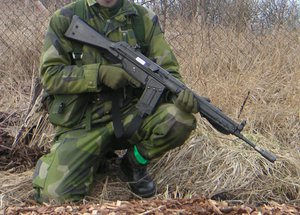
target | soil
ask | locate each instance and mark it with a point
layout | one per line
(157, 206)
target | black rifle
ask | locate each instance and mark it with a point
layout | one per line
(155, 80)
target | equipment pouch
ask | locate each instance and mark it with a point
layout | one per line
(67, 110)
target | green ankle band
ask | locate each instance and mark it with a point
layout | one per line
(139, 157)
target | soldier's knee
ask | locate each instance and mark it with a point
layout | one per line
(57, 187)
(182, 119)
(41, 195)
(52, 193)
(171, 130)
(183, 124)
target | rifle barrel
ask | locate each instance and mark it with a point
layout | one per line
(266, 154)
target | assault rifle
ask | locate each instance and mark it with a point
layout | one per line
(155, 80)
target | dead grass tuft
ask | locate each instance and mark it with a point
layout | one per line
(226, 66)
(226, 169)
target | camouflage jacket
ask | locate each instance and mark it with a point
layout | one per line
(59, 74)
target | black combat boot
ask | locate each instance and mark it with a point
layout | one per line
(138, 178)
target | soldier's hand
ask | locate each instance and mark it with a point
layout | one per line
(186, 101)
(115, 77)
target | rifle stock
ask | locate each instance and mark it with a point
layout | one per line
(143, 70)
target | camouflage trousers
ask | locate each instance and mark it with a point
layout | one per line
(66, 173)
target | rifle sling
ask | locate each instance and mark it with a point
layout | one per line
(117, 99)
(134, 125)
(116, 114)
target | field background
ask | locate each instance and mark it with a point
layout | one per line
(243, 55)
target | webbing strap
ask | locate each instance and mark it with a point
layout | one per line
(138, 26)
(134, 125)
(79, 9)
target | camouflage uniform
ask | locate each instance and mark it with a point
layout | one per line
(82, 139)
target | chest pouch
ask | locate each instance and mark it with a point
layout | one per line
(128, 35)
(134, 35)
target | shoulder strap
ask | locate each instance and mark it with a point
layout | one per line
(79, 9)
(139, 29)
(138, 22)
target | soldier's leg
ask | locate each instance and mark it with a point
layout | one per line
(66, 173)
(167, 128)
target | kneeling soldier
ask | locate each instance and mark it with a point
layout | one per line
(91, 102)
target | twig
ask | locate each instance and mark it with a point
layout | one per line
(244, 103)
(1, 200)
(104, 190)
(152, 210)
(5, 147)
(146, 2)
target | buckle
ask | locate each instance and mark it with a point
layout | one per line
(77, 56)
(137, 46)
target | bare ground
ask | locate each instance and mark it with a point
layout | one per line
(156, 206)
(110, 196)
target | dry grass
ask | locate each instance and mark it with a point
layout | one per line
(223, 65)
(15, 188)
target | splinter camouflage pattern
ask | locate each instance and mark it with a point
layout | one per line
(66, 173)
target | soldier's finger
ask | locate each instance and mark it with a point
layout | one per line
(186, 97)
(190, 103)
(180, 96)
(195, 106)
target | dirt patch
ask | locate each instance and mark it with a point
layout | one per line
(5, 138)
(5, 141)
(19, 158)
(111, 196)
(157, 206)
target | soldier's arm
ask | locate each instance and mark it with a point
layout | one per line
(159, 50)
(58, 75)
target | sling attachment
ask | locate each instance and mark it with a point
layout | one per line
(77, 54)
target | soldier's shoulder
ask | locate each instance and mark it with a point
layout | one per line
(62, 17)
(145, 12)
(66, 12)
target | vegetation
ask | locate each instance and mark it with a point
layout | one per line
(250, 72)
